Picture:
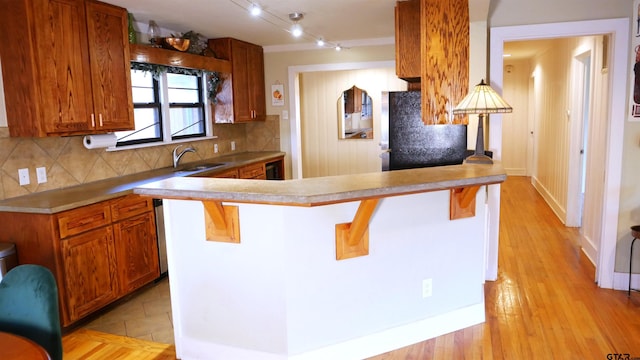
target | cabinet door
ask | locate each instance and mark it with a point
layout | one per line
(110, 73)
(255, 67)
(240, 81)
(136, 252)
(62, 59)
(89, 272)
(408, 50)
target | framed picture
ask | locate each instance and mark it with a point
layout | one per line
(277, 95)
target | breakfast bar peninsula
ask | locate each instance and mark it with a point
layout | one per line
(339, 267)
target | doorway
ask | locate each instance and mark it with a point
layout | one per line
(618, 28)
(549, 83)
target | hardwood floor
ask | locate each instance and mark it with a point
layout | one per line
(544, 305)
(92, 345)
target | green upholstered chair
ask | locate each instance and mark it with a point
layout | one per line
(29, 307)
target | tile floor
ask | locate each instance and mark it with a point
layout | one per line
(146, 316)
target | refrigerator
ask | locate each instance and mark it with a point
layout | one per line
(407, 143)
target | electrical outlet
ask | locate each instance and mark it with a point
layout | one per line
(41, 174)
(233, 146)
(215, 148)
(23, 176)
(427, 288)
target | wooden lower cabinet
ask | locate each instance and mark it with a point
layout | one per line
(98, 253)
(254, 171)
(136, 251)
(89, 272)
(229, 174)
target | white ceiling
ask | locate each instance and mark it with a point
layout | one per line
(334, 20)
(337, 21)
(519, 50)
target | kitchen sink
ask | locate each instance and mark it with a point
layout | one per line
(202, 167)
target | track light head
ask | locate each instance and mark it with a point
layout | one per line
(296, 16)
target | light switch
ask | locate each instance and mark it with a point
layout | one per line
(285, 115)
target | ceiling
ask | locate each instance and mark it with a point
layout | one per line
(526, 49)
(342, 22)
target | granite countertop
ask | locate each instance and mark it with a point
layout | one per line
(326, 190)
(54, 201)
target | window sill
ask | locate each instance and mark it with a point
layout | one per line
(160, 143)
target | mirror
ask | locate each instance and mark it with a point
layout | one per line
(355, 115)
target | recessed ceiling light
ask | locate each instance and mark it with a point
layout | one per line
(296, 30)
(255, 9)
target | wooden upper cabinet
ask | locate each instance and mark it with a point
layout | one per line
(408, 57)
(241, 96)
(73, 78)
(110, 69)
(353, 100)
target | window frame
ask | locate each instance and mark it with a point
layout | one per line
(161, 90)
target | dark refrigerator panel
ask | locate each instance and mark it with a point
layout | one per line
(411, 144)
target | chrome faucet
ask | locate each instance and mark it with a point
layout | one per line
(177, 156)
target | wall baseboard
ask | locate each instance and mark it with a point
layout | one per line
(621, 281)
(355, 349)
(560, 212)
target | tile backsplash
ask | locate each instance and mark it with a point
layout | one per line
(69, 163)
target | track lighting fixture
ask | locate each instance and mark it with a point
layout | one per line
(296, 29)
(291, 25)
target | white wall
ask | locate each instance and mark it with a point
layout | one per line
(277, 65)
(281, 292)
(523, 12)
(515, 125)
(322, 152)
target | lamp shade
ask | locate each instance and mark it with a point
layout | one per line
(482, 100)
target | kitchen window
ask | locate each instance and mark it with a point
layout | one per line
(169, 105)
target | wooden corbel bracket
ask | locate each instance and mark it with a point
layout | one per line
(462, 202)
(221, 222)
(352, 239)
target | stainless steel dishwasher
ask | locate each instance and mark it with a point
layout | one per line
(162, 240)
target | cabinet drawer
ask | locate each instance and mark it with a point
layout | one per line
(255, 171)
(230, 174)
(82, 219)
(130, 205)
